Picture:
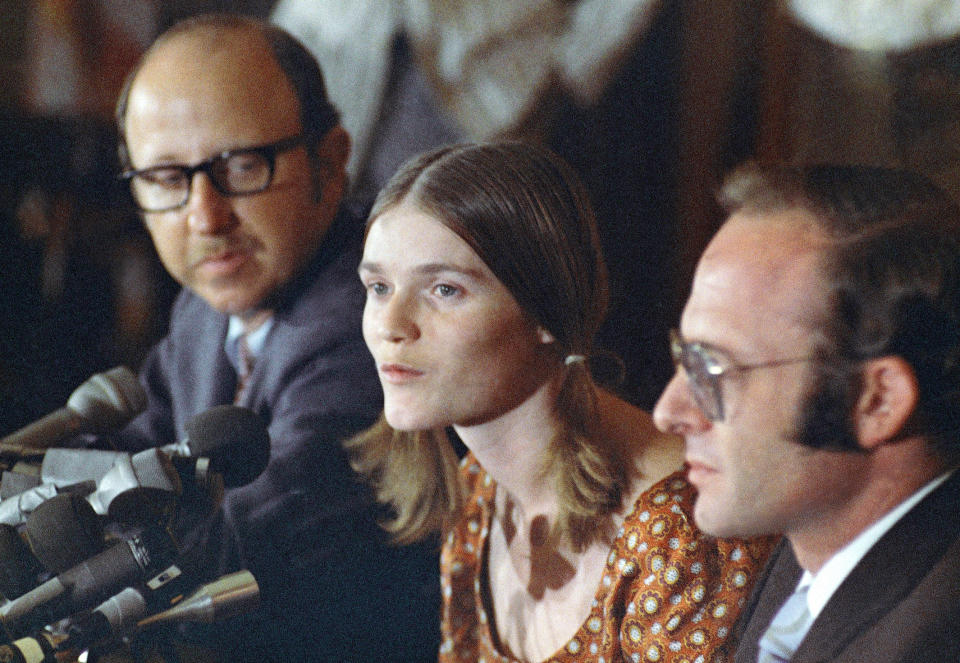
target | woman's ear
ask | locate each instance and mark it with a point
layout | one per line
(888, 399)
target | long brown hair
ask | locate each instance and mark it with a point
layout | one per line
(527, 216)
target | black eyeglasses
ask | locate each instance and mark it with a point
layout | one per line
(240, 172)
(704, 368)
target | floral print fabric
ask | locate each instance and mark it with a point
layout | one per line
(668, 593)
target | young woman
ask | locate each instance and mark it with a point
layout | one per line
(568, 526)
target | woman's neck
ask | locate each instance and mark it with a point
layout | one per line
(512, 449)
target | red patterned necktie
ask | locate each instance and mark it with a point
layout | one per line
(244, 368)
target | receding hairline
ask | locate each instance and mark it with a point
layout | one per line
(202, 27)
(209, 30)
(209, 25)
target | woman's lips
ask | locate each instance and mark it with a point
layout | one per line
(399, 373)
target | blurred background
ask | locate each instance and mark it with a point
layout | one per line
(650, 100)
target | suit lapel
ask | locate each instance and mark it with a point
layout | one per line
(882, 579)
(778, 581)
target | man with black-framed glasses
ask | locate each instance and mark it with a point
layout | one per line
(236, 160)
(817, 386)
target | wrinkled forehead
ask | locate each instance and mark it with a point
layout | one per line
(759, 286)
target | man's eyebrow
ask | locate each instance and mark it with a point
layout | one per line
(718, 352)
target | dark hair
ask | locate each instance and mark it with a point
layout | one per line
(892, 277)
(526, 214)
(317, 114)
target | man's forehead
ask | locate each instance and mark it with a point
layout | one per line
(192, 98)
(758, 283)
(242, 50)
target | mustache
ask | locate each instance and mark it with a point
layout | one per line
(215, 246)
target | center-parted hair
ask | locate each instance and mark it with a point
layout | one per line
(526, 214)
(891, 277)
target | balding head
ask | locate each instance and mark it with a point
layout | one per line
(213, 32)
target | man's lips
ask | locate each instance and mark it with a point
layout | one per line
(399, 373)
(698, 471)
(222, 262)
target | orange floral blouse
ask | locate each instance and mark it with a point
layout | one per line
(668, 594)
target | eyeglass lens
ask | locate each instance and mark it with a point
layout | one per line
(701, 375)
(168, 187)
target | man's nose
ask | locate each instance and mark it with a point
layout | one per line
(676, 410)
(209, 211)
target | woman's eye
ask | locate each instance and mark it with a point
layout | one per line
(446, 290)
(378, 288)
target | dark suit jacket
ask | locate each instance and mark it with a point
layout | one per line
(901, 603)
(331, 588)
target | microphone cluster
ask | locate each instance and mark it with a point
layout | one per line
(66, 583)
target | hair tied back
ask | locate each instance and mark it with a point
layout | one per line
(570, 360)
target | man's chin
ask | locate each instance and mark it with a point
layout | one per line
(713, 521)
(231, 301)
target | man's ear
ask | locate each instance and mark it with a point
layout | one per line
(888, 398)
(330, 162)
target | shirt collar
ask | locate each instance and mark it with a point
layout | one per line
(832, 574)
(255, 339)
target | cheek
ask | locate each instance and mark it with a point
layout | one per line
(368, 326)
(502, 357)
(170, 245)
(286, 222)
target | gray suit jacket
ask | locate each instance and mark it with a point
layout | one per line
(331, 588)
(901, 603)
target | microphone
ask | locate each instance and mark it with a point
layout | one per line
(19, 567)
(40, 648)
(127, 484)
(234, 441)
(230, 595)
(63, 467)
(22, 476)
(105, 402)
(14, 510)
(86, 584)
(64, 531)
(137, 488)
(233, 438)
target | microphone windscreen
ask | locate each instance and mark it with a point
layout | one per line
(108, 400)
(63, 531)
(235, 439)
(19, 568)
(14, 482)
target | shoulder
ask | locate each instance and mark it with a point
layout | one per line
(654, 454)
(684, 586)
